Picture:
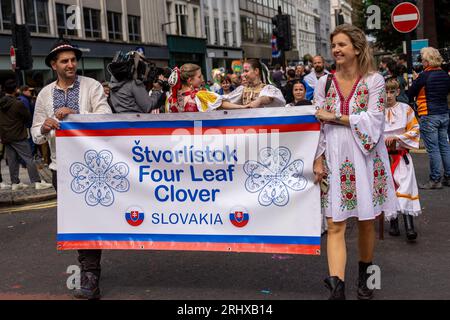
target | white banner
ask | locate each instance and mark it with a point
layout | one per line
(220, 181)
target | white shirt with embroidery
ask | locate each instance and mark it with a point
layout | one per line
(268, 91)
(359, 177)
(92, 99)
(401, 122)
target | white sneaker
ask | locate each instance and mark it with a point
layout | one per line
(4, 186)
(43, 185)
(19, 186)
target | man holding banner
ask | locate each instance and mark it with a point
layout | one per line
(69, 94)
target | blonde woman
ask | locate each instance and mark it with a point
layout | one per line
(352, 158)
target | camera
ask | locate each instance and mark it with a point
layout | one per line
(445, 53)
(153, 77)
(133, 66)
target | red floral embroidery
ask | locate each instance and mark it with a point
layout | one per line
(379, 181)
(324, 196)
(185, 102)
(361, 98)
(381, 99)
(348, 186)
(366, 141)
(330, 102)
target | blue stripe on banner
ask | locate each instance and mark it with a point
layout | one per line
(188, 124)
(188, 238)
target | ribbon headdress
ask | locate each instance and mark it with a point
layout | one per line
(175, 83)
(267, 79)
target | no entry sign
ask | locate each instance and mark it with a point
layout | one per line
(405, 17)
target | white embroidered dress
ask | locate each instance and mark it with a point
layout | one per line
(357, 162)
(401, 122)
(243, 95)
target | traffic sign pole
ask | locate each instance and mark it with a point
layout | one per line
(409, 57)
(405, 18)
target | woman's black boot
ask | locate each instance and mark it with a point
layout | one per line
(411, 234)
(364, 293)
(336, 287)
(394, 230)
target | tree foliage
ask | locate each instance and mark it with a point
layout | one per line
(387, 37)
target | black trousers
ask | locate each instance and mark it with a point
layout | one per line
(88, 259)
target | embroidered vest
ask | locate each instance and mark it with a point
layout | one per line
(250, 94)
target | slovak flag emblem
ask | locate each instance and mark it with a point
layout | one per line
(239, 218)
(134, 217)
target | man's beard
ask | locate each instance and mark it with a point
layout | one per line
(319, 69)
(64, 76)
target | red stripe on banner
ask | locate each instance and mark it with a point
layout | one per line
(190, 246)
(186, 131)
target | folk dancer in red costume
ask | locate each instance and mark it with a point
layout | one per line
(187, 95)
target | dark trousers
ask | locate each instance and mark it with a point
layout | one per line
(88, 259)
(21, 150)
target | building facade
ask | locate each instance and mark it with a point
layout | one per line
(186, 39)
(437, 15)
(211, 33)
(223, 33)
(323, 28)
(256, 27)
(344, 7)
(306, 28)
(99, 28)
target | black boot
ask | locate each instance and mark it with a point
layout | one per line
(336, 287)
(411, 234)
(89, 286)
(394, 230)
(364, 293)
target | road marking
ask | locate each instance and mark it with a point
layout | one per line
(29, 207)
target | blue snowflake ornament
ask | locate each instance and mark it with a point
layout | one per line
(272, 176)
(98, 178)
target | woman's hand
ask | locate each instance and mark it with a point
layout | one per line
(324, 115)
(319, 170)
(254, 104)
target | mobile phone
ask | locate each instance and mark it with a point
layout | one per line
(324, 186)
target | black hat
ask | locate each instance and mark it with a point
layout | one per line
(60, 46)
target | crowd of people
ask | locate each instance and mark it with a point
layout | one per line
(368, 125)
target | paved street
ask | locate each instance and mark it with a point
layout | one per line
(32, 268)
